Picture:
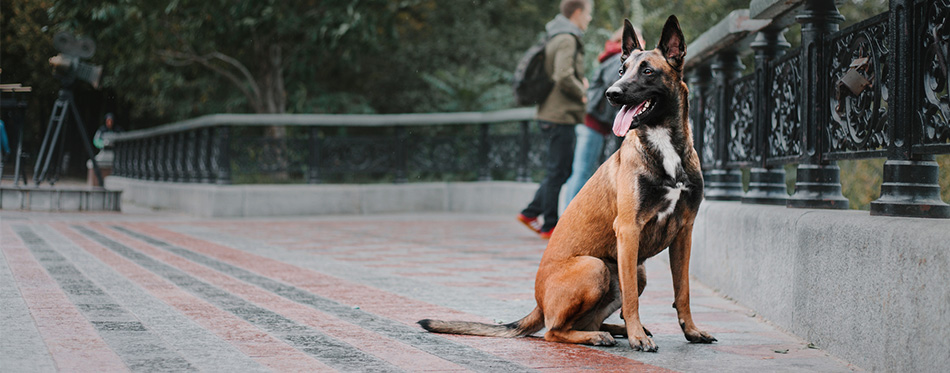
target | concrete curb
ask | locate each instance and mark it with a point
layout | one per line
(204, 200)
(872, 290)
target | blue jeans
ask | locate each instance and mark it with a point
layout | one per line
(557, 165)
(590, 144)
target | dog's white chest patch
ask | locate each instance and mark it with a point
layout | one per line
(660, 139)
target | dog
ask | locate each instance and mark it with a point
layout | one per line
(643, 199)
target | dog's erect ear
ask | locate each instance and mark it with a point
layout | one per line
(672, 43)
(630, 41)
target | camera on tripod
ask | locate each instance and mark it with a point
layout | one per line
(67, 67)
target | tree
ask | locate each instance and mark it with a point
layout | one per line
(175, 59)
(24, 57)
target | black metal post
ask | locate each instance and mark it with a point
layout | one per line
(168, 164)
(118, 167)
(766, 184)
(221, 155)
(204, 156)
(174, 157)
(127, 169)
(722, 183)
(191, 152)
(152, 160)
(180, 158)
(135, 158)
(699, 82)
(165, 151)
(523, 175)
(484, 172)
(169, 157)
(402, 155)
(142, 157)
(910, 186)
(817, 183)
(313, 168)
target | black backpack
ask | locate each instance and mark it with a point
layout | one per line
(531, 82)
(604, 77)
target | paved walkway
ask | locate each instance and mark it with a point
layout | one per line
(127, 292)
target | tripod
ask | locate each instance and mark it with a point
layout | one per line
(61, 109)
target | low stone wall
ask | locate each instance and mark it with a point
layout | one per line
(58, 199)
(874, 291)
(205, 200)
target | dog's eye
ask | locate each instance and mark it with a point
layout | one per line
(622, 71)
(647, 71)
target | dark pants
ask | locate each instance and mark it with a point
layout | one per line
(557, 165)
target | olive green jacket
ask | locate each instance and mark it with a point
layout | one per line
(564, 62)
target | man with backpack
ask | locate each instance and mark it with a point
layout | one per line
(561, 109)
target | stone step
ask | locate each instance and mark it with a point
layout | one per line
(59, 199)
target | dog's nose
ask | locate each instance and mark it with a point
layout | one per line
(614, 93)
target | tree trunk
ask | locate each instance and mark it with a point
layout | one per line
(274, 99)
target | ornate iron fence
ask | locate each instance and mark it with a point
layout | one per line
(879, 88)
(238, 148)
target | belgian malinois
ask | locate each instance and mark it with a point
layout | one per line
(642, 200)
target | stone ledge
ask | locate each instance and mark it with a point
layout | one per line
(874, 291)
(58, 199)
(731, 33)
(206, 200)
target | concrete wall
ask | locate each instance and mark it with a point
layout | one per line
(294, 200)
(874, 291)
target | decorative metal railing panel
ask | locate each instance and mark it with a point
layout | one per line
(934, 110)
(346, 148)
(860, 74)
(741, 124)
(696, 117)
(254, 155)
(710, 113)
(877, 89)
(785, 130)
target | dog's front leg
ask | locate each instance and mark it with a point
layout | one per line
(679, 266)
(628, 248)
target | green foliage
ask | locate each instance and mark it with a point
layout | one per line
(364, 56)
(24, 57)
(861, 181)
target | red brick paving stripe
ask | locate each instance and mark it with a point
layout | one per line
(466, 356)
(73, 342)
(395, 352)
(248, 339)
(527, 352)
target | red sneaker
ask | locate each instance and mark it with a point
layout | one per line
(546, 235)
(532, 223)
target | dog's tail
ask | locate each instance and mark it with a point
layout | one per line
(527, 325)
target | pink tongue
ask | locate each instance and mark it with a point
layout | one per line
(624, 119)
(621, 123)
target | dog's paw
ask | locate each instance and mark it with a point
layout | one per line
(699, 336)
(643, 343)
(603, 339)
